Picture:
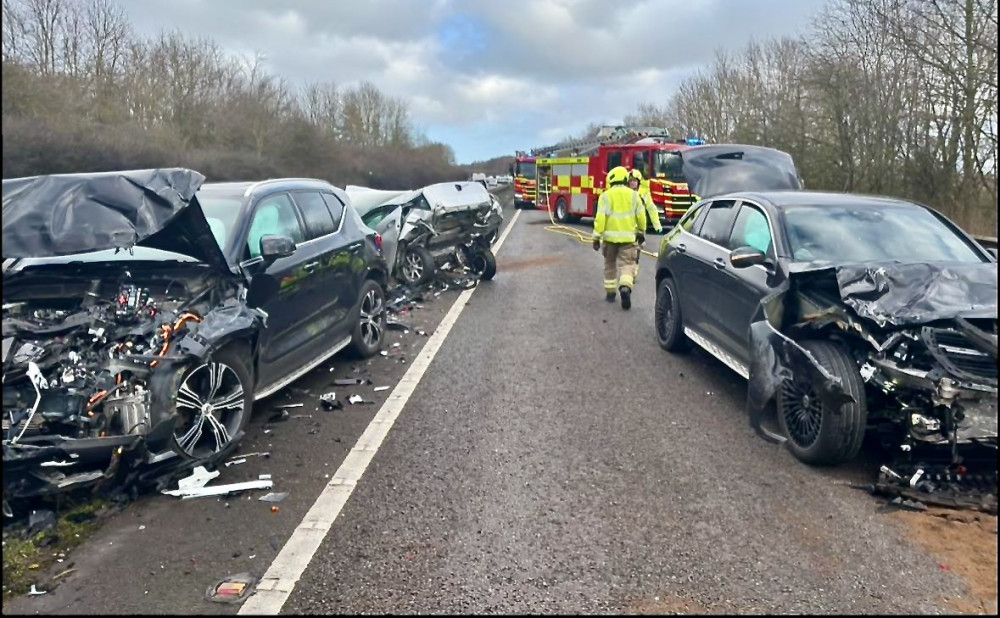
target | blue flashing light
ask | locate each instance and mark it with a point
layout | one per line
(695, 141)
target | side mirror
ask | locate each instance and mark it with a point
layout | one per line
(992, 251)
(744, 257)
(274, 246)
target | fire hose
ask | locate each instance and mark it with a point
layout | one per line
(565, 230)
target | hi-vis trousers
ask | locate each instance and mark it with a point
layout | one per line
(620, 261)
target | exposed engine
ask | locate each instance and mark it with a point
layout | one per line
(77, 367)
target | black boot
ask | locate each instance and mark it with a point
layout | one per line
(609, 296)
(626, 295)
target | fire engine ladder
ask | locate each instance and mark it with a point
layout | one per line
(607, 135)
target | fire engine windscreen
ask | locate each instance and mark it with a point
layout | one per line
(526, 169)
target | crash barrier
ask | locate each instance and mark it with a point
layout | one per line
(565, 230)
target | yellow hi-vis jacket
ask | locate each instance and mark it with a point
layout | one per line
(620, 214)
(647, 201)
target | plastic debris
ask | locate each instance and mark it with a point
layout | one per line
(330, 401)
(263, 482)
(236, 462)
(381, 388)
(273, 496)
(41, 521)
(199, 478)
(358, 399)
(35, 591)
(394, 324)
(289, 405)
(384, 353)
(279, 417)
(348, 382)
(232, 589)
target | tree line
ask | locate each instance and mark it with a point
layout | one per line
(891, 97)
(83, 92)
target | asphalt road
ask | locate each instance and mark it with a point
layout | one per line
(552, 459)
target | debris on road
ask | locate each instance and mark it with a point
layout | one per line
(232, 589)
(200, 491)
(330, 401)
(278, 417)
(236, 462)
(379, 389)
(273, 497)
(349, 382)
(35, 591)
(286, 406)
(358, 400)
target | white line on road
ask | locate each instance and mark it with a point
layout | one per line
(278, 582)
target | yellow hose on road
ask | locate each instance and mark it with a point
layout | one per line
(565, 230)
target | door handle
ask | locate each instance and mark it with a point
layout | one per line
(720, 263)
(682, 247)
(311, 266)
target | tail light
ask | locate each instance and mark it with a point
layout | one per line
(378, 241)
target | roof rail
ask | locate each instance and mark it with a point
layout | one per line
(254, 186)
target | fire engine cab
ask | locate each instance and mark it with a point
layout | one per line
(523, 171)
(571, 174)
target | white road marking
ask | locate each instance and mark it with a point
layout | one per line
(278, 582)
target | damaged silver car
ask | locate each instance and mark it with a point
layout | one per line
(849, 313)
(447, 223)
(137, 333)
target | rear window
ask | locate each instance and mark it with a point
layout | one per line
(903, 233)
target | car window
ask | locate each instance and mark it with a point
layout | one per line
(335, 207)
(275, 214)
(751, 230)
(687, 221)
(718, 222)
(318, 220)
(221, 207)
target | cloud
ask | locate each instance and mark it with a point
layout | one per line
(490, 76)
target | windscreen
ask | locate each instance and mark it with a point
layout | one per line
(221, 207)
(526, 169)
(844, 234)
(668, 164)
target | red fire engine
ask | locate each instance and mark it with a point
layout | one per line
(523, 171)
(571, 175)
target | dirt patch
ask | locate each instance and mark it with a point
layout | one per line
(964, 542)
(532, 263)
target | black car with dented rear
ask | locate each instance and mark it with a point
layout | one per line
(145, 311)
(848, 312)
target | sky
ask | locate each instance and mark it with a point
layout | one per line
(487, 77)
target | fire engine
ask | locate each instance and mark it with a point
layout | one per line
(571, 174)
(523, 171)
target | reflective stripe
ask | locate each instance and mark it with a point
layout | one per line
(619, 237)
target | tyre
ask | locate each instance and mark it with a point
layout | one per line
(667, 317)
(561, 213)
(817, 434)
(214, 402)
(484, 263)
(369, 329)
(418, 266)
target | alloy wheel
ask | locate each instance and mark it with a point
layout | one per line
(413, 267)
(372, 310)
(802, 411)
(211, 400)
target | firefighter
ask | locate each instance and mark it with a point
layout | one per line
(620, 223)
(635, 183)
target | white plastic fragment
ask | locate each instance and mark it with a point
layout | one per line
(35, 591)
(381, 388)
(236, 462)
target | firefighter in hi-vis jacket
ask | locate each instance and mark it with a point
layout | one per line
(620, 223)
(653, 218)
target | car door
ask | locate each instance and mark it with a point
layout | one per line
(745, 287)
(388, 222)
(329, 268)
(704, 278)
(289, 307)
(348, 261)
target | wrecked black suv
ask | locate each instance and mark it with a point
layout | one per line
(848, 312)
(144, 312)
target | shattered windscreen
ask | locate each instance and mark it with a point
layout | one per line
(890, 232)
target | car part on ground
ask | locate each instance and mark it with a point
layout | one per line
(426, 229)
(133, 342)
